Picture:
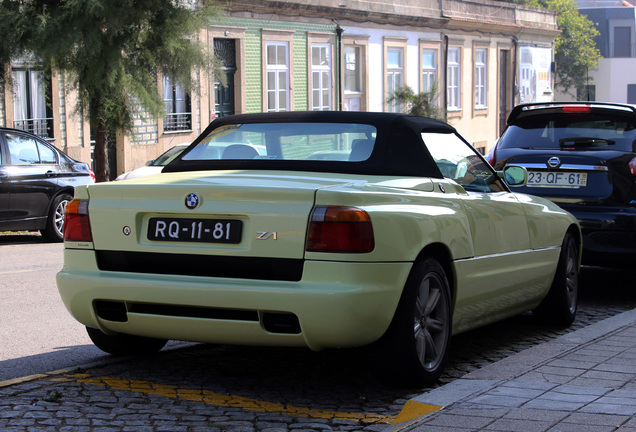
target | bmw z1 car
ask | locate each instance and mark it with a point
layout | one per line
(318, 229)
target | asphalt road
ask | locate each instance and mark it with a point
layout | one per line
(37, 334)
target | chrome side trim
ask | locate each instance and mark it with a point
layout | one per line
(565, 167)
(499, 255)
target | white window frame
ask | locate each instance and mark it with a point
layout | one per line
(394, 72)
(453, 86)
(321, 78)
(356, 66)
(481, 77)
(429, 71)
(394, 75)
(277, 77)
(353, 68)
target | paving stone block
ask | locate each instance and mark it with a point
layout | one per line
(539, 415)
(452, 421)
(596, 419)
(500, 401)
(507, 425)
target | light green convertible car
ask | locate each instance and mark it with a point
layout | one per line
(318, 229)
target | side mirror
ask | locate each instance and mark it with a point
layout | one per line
(150, 162)
(514, 175)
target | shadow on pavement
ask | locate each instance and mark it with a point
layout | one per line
(21, 238)
(61, 358)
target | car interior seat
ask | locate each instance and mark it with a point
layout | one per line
(239, 151)
(361, 149)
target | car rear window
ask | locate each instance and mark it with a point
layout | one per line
(287, 141)
(587, 131)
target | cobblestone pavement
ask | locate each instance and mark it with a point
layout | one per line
(246, 389)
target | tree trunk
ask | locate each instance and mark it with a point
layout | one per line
(100, 155)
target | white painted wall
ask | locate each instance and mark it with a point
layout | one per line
(376, 60)
(611, 79)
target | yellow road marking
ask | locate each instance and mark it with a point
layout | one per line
(218, 399)
(413, 410)
(15, 271)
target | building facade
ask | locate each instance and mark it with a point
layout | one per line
(482, 56)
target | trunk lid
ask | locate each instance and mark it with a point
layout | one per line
(272, 208)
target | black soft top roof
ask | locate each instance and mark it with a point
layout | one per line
(399, 149)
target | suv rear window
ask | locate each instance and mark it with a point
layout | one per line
(594, 131)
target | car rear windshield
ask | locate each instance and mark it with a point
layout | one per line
(571, 131)
(287, 141)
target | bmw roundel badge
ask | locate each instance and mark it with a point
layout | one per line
(192, 201)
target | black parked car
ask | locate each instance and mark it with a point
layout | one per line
(36, 182)
(582, 156)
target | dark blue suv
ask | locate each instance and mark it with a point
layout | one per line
(582, 156)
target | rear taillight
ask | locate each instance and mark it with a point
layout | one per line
(632, 166)
(340, 229)
(92, 174)
(77, 226)
(490, 156)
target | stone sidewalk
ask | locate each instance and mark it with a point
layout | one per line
(582, 381)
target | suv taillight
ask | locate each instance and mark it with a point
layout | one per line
(77, 226)
(576, 108)
(632, 166)
(340, 229)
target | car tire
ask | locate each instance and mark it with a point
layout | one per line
(560, 305)
(123, 344)
(54, 231)
(414, 350)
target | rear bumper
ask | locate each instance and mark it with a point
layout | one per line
(609, 234)
(336, 304)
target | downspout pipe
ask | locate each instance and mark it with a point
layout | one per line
(444, 91)
(515, 61)
(339, 31)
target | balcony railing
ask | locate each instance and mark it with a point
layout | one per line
(177, 122)
(42, 127)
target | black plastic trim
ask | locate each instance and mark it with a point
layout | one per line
(280, 269)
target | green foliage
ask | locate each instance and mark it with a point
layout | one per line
(11, 32)
(423, 104)
(575, 50)
(110, 50)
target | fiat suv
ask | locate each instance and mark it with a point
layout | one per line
(582, 156)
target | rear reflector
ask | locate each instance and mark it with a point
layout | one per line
(340, 229)
(77, 226)
(632, 166)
